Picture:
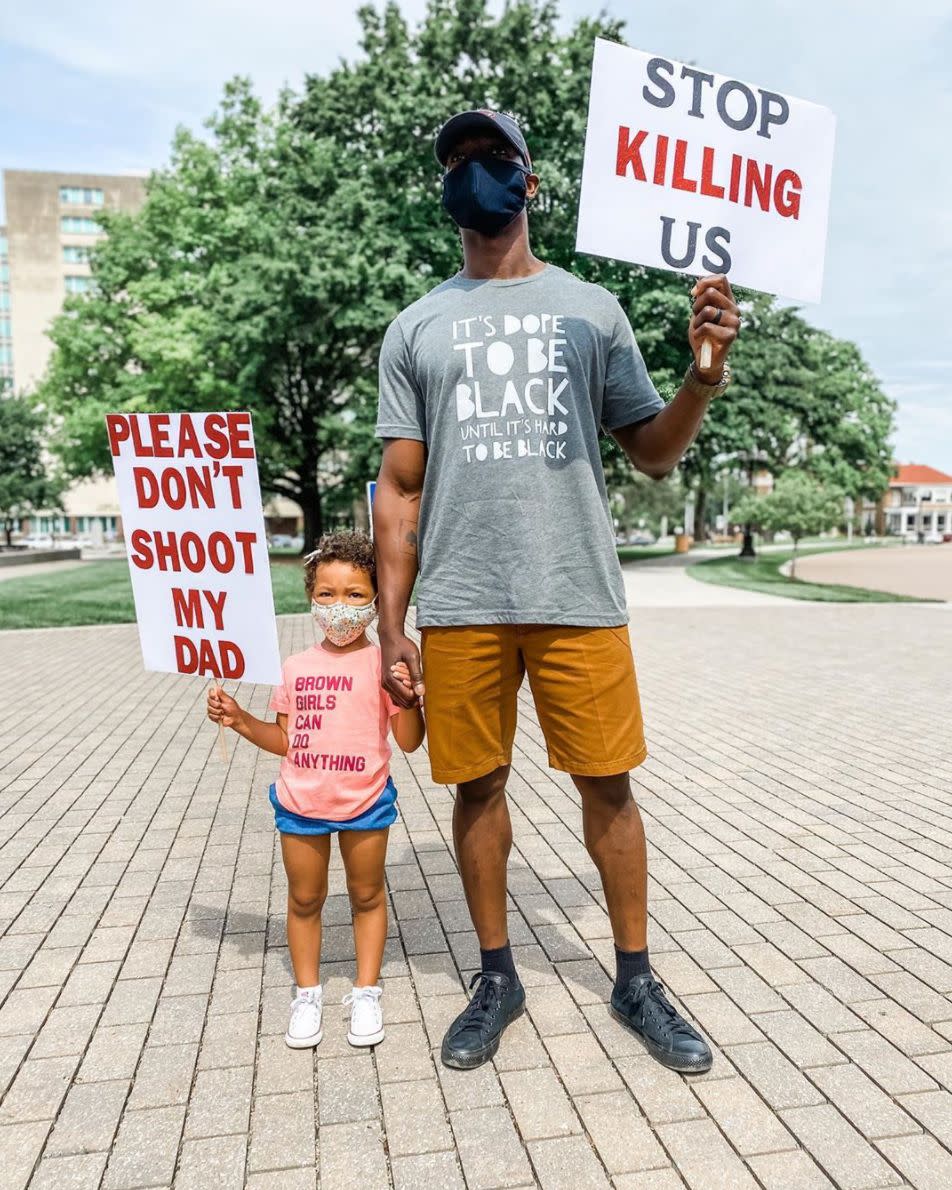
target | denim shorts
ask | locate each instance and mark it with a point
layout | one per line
(381, 814)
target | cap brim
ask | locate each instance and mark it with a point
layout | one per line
(467, 122)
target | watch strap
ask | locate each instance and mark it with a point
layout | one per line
(694, 384)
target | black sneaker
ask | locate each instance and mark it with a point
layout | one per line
(473, 1037)
(644, 1009)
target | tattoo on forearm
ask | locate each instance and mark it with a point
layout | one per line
(407, 536)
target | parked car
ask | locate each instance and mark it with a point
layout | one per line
(641, 538)
(933, 538)
(38, 541)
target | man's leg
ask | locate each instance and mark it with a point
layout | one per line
(482, 834)
(473, 675)
(615, 839)
(586, 696)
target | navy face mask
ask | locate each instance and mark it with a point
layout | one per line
(485, 193)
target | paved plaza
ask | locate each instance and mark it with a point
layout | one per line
(799, 814)
(923, 571)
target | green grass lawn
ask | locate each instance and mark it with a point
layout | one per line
(101, 593)
(635, 553)
(763, 574)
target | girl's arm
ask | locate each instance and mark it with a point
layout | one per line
(270, 737)
(408, 728)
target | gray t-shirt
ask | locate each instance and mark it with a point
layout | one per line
(507, 383)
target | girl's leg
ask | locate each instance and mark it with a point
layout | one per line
(305, 861)
(364, 854)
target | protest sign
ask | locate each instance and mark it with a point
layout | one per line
(194, 531)
(689, 170)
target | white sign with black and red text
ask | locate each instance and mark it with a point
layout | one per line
(198, 555)
(689, 170)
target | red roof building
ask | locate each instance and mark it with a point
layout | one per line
(916, 475)
(918, 504)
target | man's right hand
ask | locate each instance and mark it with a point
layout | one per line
(394, 649)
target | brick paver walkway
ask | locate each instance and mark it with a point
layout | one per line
(799, 813)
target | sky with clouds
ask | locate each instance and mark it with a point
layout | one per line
(100, 86)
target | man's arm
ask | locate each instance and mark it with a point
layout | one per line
(396, 520)
(657, 445)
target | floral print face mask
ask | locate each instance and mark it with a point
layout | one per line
(342, 623)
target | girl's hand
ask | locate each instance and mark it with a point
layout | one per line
(401, 674)
(223, 709)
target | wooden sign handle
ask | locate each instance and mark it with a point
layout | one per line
(222, 742)
(704, 360)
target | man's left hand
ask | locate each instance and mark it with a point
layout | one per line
(716, 318)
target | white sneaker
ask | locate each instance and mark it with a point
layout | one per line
(366, 1016)
(304, 1027)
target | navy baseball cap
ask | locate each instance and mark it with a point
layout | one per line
(481, 120)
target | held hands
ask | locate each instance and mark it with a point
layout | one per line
(223, 709)
(716, 318)
(402, 673)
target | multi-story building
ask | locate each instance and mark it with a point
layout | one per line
(50, 230)
(6, 330)
(918, 502)
(44, 256)
(51, 227)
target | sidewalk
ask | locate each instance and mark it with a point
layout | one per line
(664, 582)
(798, 808)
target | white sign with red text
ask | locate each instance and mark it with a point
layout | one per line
(689, 170)
(194, 531)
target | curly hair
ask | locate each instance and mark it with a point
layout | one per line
(347, 545)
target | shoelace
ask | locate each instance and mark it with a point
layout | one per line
(482, 1007)
(651, 993)
(299, 1002)
(362, 994)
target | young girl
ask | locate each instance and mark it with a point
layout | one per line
(331, 733)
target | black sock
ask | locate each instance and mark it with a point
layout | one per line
(498, 959)
(628, 964)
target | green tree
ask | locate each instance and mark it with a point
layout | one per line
(256, 276)
(801, 398)
(799, 505)
(640, 500)
(27, 485)
(270, 256)
(850, 420)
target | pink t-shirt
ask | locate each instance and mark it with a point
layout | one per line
(338, 722)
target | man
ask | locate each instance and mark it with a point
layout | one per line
(493, 388)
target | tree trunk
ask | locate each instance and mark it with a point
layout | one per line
(747, 549)
(700, 514)
(8, 530)
(310, 502)
(793, 560)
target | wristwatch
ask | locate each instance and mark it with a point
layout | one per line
(694, 384)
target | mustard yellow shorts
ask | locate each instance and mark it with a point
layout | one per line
(583, 685)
